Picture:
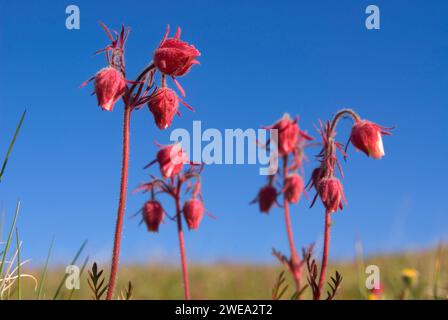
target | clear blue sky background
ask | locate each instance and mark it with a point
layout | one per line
(259, 59)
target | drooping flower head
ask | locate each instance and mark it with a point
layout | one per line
(331, 193)
(171, 160)
(367, 137)
(288, 134)
(293, 188)
(109, 87)
(163, 104)
(175, 57)
(153, 215)
(193, 211)
(267, 196)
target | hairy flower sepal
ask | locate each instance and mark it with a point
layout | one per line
(164, 105)
(366, 136)
(109, 87)
(331, 193)
(193, 211)
(288, 135)
(266, 198)
(153, 214)
(171, 160)
(293, 188)
(175, 57)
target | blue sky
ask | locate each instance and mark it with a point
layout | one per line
(259, 60)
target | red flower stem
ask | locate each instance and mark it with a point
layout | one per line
(180, 233)
(124, 182)
(121, 202)
(295, 261)
(325, 252)
(343, 113)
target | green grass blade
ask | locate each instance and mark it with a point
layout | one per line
(8, 242)
(66, 275)
(16, 133)
(2, 222)
(19, 291)
(44, 272)
(436, 272)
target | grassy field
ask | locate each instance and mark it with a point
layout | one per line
(238, 281)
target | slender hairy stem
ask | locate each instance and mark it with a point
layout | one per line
(127, 98)
(180, 233)
(323, 268)
(295, 261)
(343, 113)
(121, 203)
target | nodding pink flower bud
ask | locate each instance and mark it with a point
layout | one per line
(267, 198)
(109, 87)
(171, 160)
(366, 136)
(175, 57)
(293, 188)
(193, 212)
(153, 215)
(331, 193)
(163, 104)
(289, 134)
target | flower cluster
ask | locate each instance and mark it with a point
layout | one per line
(366, 136)
(173, 57)
(290, 141)
(176, 171)
(110, 83)
(172, 160)
(327, 186)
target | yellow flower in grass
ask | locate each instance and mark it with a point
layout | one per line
(409, 276)
(373, 296)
